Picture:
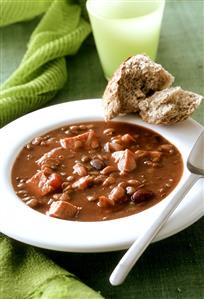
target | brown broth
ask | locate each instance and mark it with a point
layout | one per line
(158, 177)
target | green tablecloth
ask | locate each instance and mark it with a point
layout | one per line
(172, 268)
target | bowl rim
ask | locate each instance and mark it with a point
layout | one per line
(37, 229)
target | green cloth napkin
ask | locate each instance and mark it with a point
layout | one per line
(25, 273)
(43, 70)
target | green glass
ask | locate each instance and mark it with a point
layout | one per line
(123, 28)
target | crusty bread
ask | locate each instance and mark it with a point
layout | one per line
(169, 106)
(136, 78)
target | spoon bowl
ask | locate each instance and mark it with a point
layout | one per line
(195, 162)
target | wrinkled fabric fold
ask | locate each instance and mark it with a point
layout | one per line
(25, 273)
(20, 10)
(43, 70)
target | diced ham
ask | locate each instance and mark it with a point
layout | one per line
(40, 184)
(80, 169)
(63, 210)
(53, 154)
(112, 147)
(125, 160)
(55, 180)
(117, 155)
(86, 140)
(105, 202)
(83, 183)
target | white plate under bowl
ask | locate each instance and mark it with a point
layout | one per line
(25, 224)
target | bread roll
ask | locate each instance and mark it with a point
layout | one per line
(169, 106)
(137, 78)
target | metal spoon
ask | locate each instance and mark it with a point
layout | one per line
(195, 164)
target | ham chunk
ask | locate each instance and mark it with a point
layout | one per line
(125, 160)
(112, 147)
(51, 160)
(52, 155)
(40, 184)
(63, 210)
(105, 202)
(86, 140)
(79, 169)
(83, 182)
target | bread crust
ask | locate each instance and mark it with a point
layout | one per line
(169, 106)
(136, 78)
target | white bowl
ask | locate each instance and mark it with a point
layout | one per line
(25, 224)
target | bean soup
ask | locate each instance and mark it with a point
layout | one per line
(96, 171)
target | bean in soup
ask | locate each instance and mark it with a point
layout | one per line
(96, 171)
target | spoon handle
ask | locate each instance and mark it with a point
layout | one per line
(138, 247)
